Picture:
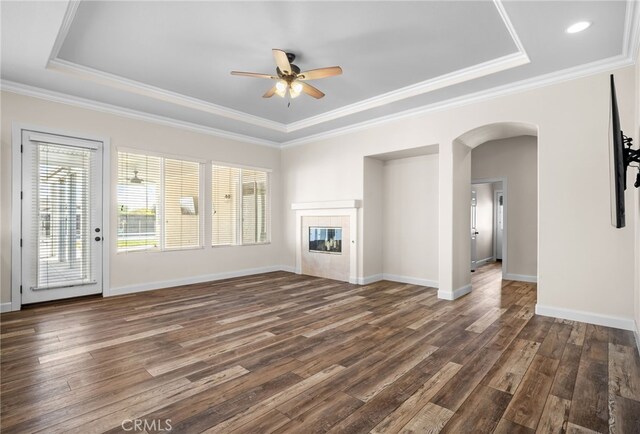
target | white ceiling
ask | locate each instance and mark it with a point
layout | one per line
(170, 61)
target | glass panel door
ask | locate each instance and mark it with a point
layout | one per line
(61, 217)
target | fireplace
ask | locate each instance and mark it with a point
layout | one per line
(325, 240)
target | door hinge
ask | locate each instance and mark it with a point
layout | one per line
(20, 289)
(20, 242)
(21, 195)
(21, 149)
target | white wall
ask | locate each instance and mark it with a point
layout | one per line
(516, 160)
(142, 268)
(410, 218)
(572, 118)
(484, 219)
(372, 217)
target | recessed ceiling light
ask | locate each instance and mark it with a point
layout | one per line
(578, 27)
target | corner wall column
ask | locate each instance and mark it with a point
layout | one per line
(454, 172)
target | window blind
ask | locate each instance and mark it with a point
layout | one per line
(254, 206)
(158, 203)
(181, 203)
(62, 204)
(225, 184)
(139, 185)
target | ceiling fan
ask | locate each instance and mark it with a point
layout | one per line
(290, 78)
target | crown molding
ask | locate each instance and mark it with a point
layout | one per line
(631, 41)
(456, 77)
(629, 56)
(67, 20)
(139, 88)
(502, 63)
(36, 92)
(484, 95)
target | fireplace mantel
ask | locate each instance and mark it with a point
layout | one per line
(333, 204)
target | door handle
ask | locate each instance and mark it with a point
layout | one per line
(98, 238)
(476, 233)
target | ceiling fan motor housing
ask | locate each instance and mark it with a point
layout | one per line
(294, 68)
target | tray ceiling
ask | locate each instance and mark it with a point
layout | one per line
(171, 60)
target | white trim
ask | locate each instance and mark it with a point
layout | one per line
(456, 293)
(456, 77)
(335, 204)
(143, 89)
(410, 280)
(509, 25)
(636, 333)
(588, 317)
(5, 307)
(289, 269)
(484, 261)
(631, 33)
(520, 277)
(49, 95)
(16, 216)
(67, 20)
(150, 286)
(572, 73)
(369, 279)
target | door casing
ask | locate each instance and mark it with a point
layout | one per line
(16, 204)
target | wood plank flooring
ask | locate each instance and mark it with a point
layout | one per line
(284, 353)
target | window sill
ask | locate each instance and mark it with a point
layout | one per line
(218, 246)
(160, 250)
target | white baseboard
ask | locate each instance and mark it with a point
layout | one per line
(410, 280)
(484, 261)
(289, 269)
(369, 279)
(520, 277)
(5, 307)
(588, 317)
(456, 293)
(194, 279)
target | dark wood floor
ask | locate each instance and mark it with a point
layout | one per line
(284, 353)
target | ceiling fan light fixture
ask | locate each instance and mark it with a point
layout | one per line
(281, 88)
(295, 89)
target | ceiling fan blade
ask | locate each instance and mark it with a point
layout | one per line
(270, 92)
(253, 74)
(310, 90)
(282, 61)
(315, 74)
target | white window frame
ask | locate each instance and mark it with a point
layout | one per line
(240, 216)
(201, 200)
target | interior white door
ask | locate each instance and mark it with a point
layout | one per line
(499, 201)
(474, 229)
(61, 217)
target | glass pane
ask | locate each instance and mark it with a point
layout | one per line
(63, 203)
(224, 204)
(181, 194)
(254, 206)
(138, 202)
